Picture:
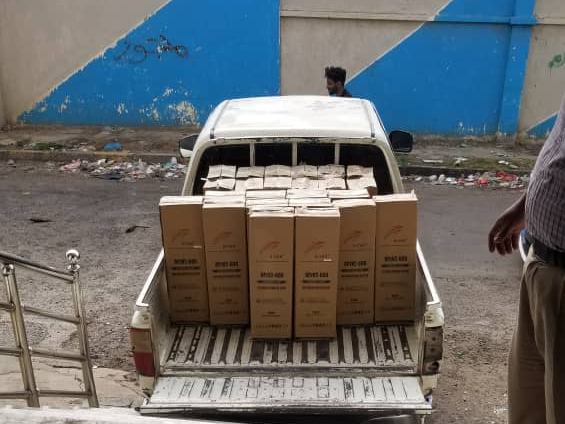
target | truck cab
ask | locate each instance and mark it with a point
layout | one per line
(384, 370)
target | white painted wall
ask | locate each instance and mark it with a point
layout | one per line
(44, 42)
(544, 86)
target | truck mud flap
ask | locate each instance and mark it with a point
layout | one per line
(289, 395)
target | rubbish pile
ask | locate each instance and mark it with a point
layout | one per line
(126, 171)
(500, 179)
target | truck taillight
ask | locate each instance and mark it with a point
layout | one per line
(142, 351)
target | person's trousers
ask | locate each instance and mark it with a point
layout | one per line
(536, 368)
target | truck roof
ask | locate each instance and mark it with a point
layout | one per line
(295, 116)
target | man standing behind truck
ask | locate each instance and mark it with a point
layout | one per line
(536, 368)
(335, 81)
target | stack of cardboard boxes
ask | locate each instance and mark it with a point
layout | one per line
(278, 259)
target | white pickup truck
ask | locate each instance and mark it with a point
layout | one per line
(372, 372)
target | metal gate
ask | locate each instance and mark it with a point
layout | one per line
(23, 351)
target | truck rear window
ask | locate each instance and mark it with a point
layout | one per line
(307, 153)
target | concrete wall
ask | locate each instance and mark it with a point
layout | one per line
(134, 62)
(447, 67)
(42, 43)
(545, 77)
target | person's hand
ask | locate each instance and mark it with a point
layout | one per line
(505, 233)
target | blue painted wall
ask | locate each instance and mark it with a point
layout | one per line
(174, 68)
(460, 74)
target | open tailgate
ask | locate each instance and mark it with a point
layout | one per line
(291, 395)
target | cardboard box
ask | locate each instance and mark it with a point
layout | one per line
(269, 202)
(224, 197)
(220, 184)
(348, 194)
(305, 171)
(226, 258)
(244, 185)
(331, 171)
(358, 171)
(363, 183)
(316, 272)
(304, 183)
(221, 171)
(356, 284)
(266, 194)
(333, 183)
(245, 172)
(306, 194)
(321, 201)
(278, 171)
(271, 252)
(395, 257)
(276, 183)
(185, 265)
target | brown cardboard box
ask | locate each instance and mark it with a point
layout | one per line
(332, 183)
(226, 259)
(316, 272)
(245, 172)
(278, 171)
(321, 201)
(266, 194)
(363, 183)
(348, 194)
(183, 243)
(395, 257)
(304, 183)
(275, 183)
(271, 253)
(306, 194)
(271, 202)
(220, 184)
(356, 285)
(305, 171)
(225, 197)
(357, 171)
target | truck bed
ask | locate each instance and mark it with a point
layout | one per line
(377, 348)
(366, 368)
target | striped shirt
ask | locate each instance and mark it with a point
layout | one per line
(545, 201)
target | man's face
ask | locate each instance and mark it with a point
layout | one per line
(332, 86)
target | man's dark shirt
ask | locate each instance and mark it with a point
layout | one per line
(345, 93)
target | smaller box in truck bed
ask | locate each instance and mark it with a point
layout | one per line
(316, 272)
(183, 243)
(271, 252)
(395, 258)
(226, 258)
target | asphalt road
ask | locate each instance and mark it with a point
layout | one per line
(479, 290)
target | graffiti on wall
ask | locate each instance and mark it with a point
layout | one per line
(138, 53)
(558, 61)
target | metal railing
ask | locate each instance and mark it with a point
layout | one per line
(23, 351)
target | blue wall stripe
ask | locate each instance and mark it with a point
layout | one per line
(446, 78)
(516, 67)
(543, 129)
(174, 68)
(462, 74)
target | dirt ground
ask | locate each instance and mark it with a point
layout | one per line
(479, 290)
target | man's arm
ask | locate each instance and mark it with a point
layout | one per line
(505, 233)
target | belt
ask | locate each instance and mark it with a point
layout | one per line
(547, 254)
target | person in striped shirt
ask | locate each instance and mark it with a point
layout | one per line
(536, 367)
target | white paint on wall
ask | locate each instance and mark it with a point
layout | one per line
(544, 84)
(42, 43)
(550, 9)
